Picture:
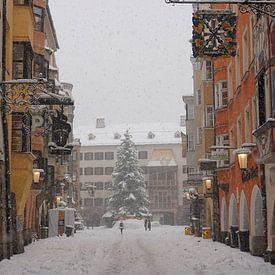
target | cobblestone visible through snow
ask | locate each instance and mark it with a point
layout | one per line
(164, 250)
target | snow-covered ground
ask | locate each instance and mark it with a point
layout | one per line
(164, 250)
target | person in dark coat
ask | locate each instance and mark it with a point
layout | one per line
(149, 225)
(145, 224)
(121, 227)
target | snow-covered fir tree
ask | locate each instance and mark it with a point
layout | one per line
(129, 189)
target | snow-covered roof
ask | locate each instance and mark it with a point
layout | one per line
(163, 133)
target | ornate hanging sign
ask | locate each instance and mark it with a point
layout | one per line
(214, 33)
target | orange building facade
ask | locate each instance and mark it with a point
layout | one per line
(237, 108)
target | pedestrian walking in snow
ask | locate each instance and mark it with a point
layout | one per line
(149, 225)
(145, 224)
(121, 227)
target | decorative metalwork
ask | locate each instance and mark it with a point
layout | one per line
(259, 7)
(214, 33)
(249, 174)
(60, 129)
(19, 95)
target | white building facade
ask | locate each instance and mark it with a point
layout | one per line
(160, 156)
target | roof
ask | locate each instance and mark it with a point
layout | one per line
(142, 133)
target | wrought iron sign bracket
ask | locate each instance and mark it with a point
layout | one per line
(259, 7)
(19, 95)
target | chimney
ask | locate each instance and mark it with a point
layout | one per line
(100, 122)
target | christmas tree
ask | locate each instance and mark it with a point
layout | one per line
(129, 190)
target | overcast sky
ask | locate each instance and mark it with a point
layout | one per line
(129, 60)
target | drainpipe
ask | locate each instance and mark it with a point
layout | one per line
(5, 163)
(215, 198)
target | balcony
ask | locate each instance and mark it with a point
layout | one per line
(265, 140)
(23, 23)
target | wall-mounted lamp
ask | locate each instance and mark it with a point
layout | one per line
(242, 154)
(37, 175)
(58, 200)
(208, 183)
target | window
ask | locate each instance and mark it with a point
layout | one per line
(143, 155)
(108, 185)
(106, 201)
(184, 169)
(229, 84)
(39, 18)
(254, 114)
(83, 186)
(208, 70)
(198, 97)
(88, 171)
(109, 155)
(74, 156)
(182, 121)
(40, 66)
(237, 68)
(151, 135)
(190, 143)
(99, 156)
(144, 169)
(98, 201)
(88, 202)
(22, 2)
(247, 124)
(222, 140)
(109, 170)
(232, 145)
(81, 171)
(209, 116)
(245, 52)
(239, 132)
(199, 135)
(81, 156)
(220, 94)
(21, 138)
(99, 185)
(191, 170)
(88, 156)
(22, 60)
(190, 111)
(99, 171)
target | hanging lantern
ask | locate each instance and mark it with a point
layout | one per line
(208, 183)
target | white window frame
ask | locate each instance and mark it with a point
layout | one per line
(229, 81)
(247, 126)
(190, 112)
(239, 132)
(190, 143)
(208, 117)
(208, 70)
(222, 140)
(237, 69)
(199, 135)
(221, 96)
(245, 51)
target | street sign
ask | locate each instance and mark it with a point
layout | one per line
(214, 33)
(219, 155)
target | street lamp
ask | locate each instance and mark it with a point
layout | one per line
(242, 154)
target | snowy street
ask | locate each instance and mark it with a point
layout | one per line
(164, 250)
